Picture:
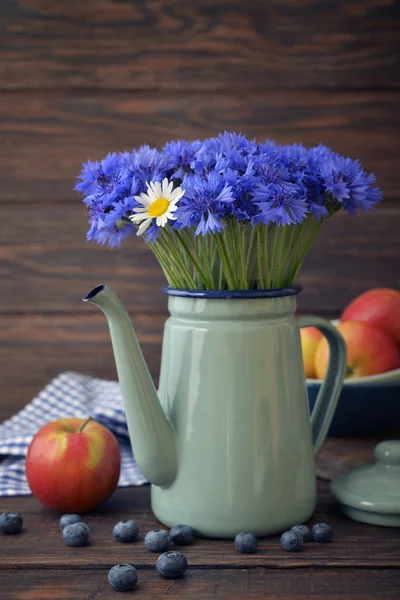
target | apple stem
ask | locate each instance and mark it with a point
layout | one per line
(82, 427)
(349, 371)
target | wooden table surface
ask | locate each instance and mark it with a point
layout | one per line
(362, 562)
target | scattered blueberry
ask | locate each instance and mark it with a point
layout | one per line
(181, 535)
(126, 531)
(10, 523)
(321, 532)
(171, 564)
(122, 577)
(246, 542)
(292, 541)
(76, 534)
(157, 540)
(304, 532)
(68, 520)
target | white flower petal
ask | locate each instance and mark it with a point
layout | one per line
(156, 187)
(176, 195)
(140, 209)
(160, 221)
(165, 186)
(145, 225)
(143, 199)
(139, 217)
(152, 196)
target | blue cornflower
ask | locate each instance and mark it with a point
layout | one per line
(224, 177)
(348, 184)
(118, 211)
(280, 204)
(87, 179)
(231, 141)
(146, 165)
(179, 157)
(202, 203)
(101, 181)
(205, 158)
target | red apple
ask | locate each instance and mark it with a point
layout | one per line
(369, 351)
(379, 307)
(310, 337)
(73, 465)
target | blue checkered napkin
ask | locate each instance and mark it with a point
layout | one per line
(68, 395)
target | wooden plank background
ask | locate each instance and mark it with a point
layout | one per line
(79, 79)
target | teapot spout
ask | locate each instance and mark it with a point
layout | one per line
(152, 435)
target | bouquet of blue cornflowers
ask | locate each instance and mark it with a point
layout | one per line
(226, 212)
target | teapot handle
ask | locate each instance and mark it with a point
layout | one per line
(328, 395)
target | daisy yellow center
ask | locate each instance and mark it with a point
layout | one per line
(158, 207)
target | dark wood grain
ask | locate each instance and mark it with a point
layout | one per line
(341, 455)
(45, 137)
(35, 348)
(319, 584)
(47, 266)
(198, 45)
(354, 545)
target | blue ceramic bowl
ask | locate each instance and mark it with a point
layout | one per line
(367, 406)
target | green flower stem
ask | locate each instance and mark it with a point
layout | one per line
(231, 250)
(173, 279)
(220, 276)
(242, 256)
(261, 283)
(281, 242)
(265, 236)
(219, 240)
(250, 256)
(274, 246)
(200, 271)
(204, 257)
(181, 265)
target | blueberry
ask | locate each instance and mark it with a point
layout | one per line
(304, 532)
(157, 540)
(246, 542)
(68, 520)
(10, 523)
(321, 532)
(126, 531)
(171, 564)
(76, 534)
(181, 535)
(122, 577)
(292, 541)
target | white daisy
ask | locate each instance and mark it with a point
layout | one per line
(158, 203)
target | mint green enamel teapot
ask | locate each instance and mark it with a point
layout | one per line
(227, 442)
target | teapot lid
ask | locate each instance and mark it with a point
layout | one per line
(371, 493)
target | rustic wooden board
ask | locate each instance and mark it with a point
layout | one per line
(177, 45)
(46, 136)
(35, 348)
(341, 455)
(355, 544)
(47, 266)
(299, 584)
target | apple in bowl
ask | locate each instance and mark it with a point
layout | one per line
(370, 351)
(379, 307)
(369, 400)
(310, 338)
(73, 465)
